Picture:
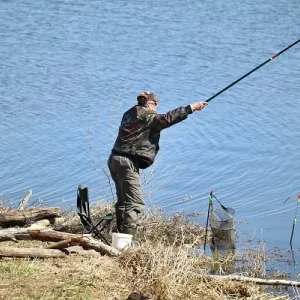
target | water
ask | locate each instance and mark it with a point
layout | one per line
(69, 69)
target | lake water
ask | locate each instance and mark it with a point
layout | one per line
(69, 69)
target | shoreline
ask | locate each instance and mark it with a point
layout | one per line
(160, 268)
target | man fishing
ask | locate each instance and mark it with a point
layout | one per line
(135, 148)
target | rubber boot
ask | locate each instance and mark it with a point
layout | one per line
(119, 220)
(132, 231)
(119, 227)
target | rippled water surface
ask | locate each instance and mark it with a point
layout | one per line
(69, 69)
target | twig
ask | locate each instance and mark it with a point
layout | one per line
(259, 281)
(25, 200)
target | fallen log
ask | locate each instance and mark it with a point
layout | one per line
(47, 235)
(16, 233)
(86, 241)
(51, 235)
(41, 224)
(66, 243)
(25, 200)
(56, 236)
(67, 221)
(30, 252)
(255, 280)
(90, 243)
(22, 218)
(80, 251)
(10, 234)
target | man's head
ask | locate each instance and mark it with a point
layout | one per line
(148, 100)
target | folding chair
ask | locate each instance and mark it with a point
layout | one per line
(103, 227)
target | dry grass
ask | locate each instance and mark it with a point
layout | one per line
(164, 272)
(4, 207)
(252, 261)
(159, 271)
(156, 226)
(73, 277)
(168, 272)
(163, 268)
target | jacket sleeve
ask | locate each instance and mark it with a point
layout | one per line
(161, 121)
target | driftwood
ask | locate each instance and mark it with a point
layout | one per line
(25, 200)
(16, 234)
(256, 280)
(84, 241)
(80, 251)
(22, 218)
(52, 235)
(97, 245)
(66, 243)
(41, 224)
(30, 252)
(62, 238)
(11, 234)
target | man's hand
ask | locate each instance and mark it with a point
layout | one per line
(198, 105)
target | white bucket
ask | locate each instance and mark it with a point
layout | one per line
(121, 241)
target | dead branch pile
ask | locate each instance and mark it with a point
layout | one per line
(34, 224)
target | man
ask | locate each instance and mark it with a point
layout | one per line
(135, 148)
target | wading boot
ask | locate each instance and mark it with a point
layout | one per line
(132, 231)
(119, 227)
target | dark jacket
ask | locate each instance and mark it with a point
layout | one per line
(139, 132)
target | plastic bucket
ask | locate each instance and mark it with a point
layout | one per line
(121, 241)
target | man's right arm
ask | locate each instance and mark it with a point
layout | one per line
(162, 121)
(198, 105)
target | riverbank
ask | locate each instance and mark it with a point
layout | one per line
(164, 267)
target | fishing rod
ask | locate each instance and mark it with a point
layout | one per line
(235, 82)
(295, 220)
(293, 257)
(286, 199)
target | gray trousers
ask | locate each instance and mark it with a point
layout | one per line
(130, 204)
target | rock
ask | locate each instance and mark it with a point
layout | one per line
(138, 296)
